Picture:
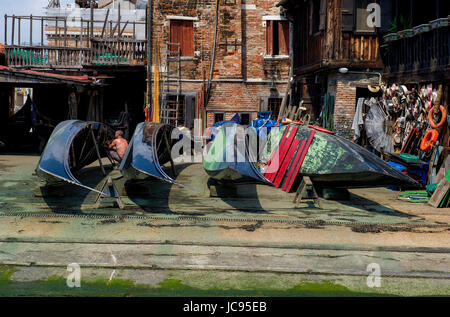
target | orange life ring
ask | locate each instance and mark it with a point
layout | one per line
(443, 119)
(320, 129)
(429, 140)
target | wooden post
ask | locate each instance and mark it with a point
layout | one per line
(118, 20)
(31, 30)
(56, 31)
(13, 27)
(65, 32)
(42, 31)
(92, 21)
(6, 29)
(18, 31)
(81, 32)
(104, 24)
(120, 34)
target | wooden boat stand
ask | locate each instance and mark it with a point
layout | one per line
(306, 192)
(110, 189)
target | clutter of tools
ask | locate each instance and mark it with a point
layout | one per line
(409, 129)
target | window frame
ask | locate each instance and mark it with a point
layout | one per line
(184, 20)
(276, 19)
(216, 113)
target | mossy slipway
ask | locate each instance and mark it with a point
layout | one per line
(246, 241)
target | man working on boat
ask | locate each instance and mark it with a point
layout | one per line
(117, 148)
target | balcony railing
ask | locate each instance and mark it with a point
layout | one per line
(421, 49)
(102, 52)
(45, 56)
(118, 52)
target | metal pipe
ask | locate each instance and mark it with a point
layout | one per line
(149, 52)
(208, 93)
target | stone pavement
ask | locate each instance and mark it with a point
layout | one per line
(174, 241)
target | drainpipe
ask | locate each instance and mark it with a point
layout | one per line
(213, 59)
(149, 52)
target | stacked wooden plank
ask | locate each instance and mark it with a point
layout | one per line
(285, 162)
(441, 196)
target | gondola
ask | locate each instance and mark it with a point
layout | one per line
(149, 149)
(293, 151)
(70, 148)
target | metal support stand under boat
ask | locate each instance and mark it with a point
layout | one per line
(98, 152)
(109, 190)
(172, 165)
(306, 191)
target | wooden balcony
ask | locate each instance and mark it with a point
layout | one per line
(423, 50)
(102, 52)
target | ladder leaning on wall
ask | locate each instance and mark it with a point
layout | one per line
(169, 113)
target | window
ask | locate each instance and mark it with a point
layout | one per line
(274, 106)
(245, 118)
(277, 37)
(361, 16)
(182, 32)
(218, 117)
(315, 21)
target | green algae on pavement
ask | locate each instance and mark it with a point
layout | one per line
(57, 286)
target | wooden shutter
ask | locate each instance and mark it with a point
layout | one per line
(182, 32)
(283, 37)
(348, 21)
(269, 37)
(187, 46)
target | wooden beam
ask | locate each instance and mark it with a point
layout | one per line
(13, 27)
(104, 24)
(6, 29)
(31, 30)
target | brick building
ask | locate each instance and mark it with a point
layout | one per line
(251, 65)
(336, 54)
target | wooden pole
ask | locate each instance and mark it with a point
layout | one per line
(81, 32)
(18, 31)
(56, 31)
(6, 29)
(120, 34)
(65, 32)
(92, 20)
(104, 24)
(31, 30)
(13, 27)
(118, 22)
(42, 31)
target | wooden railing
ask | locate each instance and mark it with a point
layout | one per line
(101, 52)
(417, 50)
(118, 52)
(46, 56)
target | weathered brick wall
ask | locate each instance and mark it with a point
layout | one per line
(343, 87)
(241, 73)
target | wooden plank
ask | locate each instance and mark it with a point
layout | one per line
(283, 152)
(286, 162)
(276, 150)
(442, 190)
(300, 162)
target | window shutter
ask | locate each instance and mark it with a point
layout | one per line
(348, 8)
(269, 37)
(175, 34)
(283, 37)
(187, 46)
(182, 32)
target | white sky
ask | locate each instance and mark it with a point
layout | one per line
(22, 7)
